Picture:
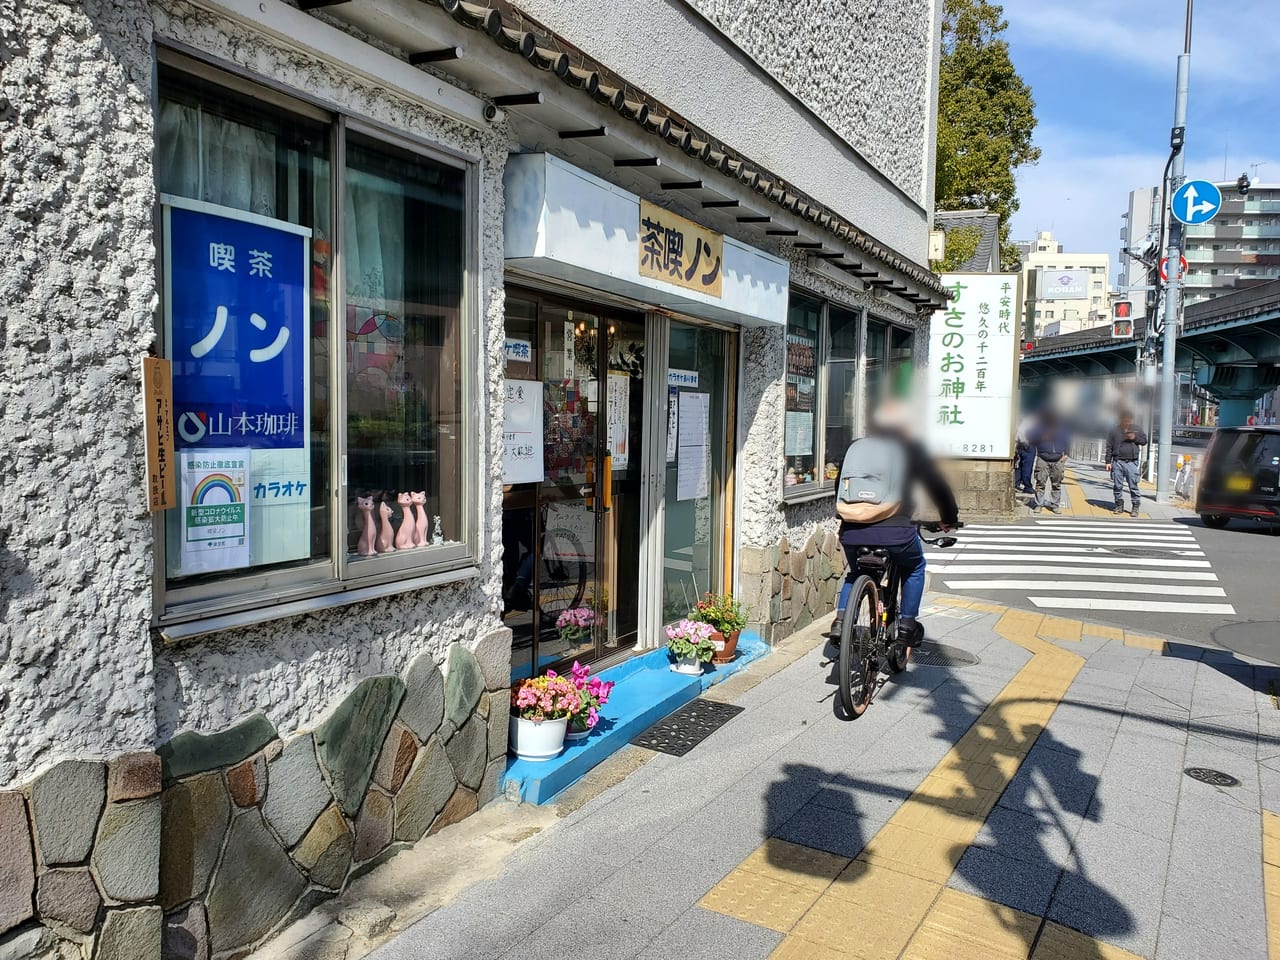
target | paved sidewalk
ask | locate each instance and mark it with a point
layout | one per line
(1034, 804)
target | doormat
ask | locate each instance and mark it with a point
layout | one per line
(680, 732)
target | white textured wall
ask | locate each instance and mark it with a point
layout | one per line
(874, 79)
(76, 300)
(294, 669)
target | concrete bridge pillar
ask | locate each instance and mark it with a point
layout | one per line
(1237, 389)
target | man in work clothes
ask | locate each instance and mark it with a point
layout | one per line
(1124, 450)
(1050, 440)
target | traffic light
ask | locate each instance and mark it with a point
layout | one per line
(1243, 184)
(1028, 346)
(1122, 309)
(1122, 329)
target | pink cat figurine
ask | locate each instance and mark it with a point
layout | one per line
(420, 525)
(368, 532)
(404, 536)
(385, 535)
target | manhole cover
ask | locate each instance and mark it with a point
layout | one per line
(1141, 551)
(1214, 778)
(1259, 639)
(680, 732)
(930, 654)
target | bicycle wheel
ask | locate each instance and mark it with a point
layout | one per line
(857, 648)
(565, 573)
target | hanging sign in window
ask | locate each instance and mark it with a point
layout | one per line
(215, 509)
(522, 431)
(618, 409)
(237, 333)
(679, 251)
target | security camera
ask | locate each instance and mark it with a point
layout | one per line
(494, 114)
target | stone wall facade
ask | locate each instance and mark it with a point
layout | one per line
(206, 847)
(983, 488)
(790, 585)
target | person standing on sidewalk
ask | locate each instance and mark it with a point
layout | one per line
(1124, 451)
(1050, 439)
(1026, 456)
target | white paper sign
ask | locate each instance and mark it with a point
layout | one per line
(693, 454)
(570, 531)
(673, 403)
(520, 351)
(215, 509)
(570, 372)
(799, 433)
(973, 346)
(682, 378)
(522, 432)
(619, 412)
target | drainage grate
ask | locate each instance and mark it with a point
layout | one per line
(930, 654)
(1214, 778)
(680, 732)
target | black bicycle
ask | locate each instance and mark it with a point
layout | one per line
(869, 623)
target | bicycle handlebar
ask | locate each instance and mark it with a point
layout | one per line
(935, 526)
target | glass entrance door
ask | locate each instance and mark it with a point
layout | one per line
(572, 540)
(697, 467)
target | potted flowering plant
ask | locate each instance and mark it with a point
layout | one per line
(540, 712)
(575, 624)
(689, 642)
(594, 694)
(726, 617)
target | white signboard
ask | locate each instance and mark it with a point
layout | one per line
(673, 404)
(520, 351)
(682, 378)
(522, 432)
(1064, 285)
(973, 349)
(215, 509)
(619, 411)
(693, 453)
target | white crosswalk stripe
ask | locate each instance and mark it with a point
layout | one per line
(1064, 564)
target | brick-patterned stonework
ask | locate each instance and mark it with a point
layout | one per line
(983, 488)
(787, 587)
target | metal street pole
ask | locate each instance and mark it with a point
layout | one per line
(1173, 285)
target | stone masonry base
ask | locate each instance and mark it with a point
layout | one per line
(787, 587)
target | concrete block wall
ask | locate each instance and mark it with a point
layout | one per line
(983, 488)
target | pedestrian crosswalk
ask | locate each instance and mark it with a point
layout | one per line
(1140, 566)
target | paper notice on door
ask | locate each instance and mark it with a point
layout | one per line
(522, 432)
(673, 402)
(693, 453)
(619, 413)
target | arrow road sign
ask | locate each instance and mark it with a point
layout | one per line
(1196, 201)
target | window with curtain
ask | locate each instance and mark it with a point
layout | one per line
(253, 325)
(822, 395)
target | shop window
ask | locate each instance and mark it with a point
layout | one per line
(800, 444)
(292, 483)
(842, 383)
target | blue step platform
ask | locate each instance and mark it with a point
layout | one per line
(646, 691)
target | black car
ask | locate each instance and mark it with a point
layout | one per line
(1240, 476)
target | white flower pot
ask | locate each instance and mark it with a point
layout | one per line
(689, 665)
(537, 739)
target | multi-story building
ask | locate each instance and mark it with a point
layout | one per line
(455, 318)
(1237, 248)
(1064, 291)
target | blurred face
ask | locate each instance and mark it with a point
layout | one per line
(1126, 424)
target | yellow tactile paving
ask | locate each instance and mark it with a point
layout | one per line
(1146, 643)
(1061, 943)
(761, 900)
(987, 607)
(793, 863)
(1059, 628)
(950, 601)
(962, 925)
(1077, 503)
(1107, 633)
(1271, 879)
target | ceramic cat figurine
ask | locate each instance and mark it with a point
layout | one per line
(385, 535)
(420, 523)
(404, 536)
(368, 532)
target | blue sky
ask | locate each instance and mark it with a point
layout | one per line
(1102, 73)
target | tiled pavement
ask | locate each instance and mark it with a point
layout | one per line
(1033, 805)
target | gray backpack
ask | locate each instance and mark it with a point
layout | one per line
(873, 480)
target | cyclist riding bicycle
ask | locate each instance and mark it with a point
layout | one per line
(875, 506)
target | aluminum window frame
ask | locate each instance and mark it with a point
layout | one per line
(250, 597)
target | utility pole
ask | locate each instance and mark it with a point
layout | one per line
(1173, 270)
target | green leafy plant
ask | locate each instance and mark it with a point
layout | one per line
(690, 638)
(721, 611)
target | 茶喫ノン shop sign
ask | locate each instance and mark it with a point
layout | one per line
(679, 251)
(972, 352)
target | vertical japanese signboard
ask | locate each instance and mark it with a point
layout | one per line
(237, 330)
(973, 351)
(679, 251)
(157, 417)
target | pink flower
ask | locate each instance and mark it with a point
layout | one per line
(593, 717)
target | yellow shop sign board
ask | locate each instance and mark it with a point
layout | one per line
(679, 251)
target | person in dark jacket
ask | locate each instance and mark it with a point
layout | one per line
(1050, 439)
(897, 534)
(1124, 451)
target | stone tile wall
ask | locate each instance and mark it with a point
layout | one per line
(787, 587)
(203, 849)
(983, 488)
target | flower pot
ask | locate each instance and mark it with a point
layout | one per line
(726, 646)
(572, 733)
(537, 739)
(689, 665)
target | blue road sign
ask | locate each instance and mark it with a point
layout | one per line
(1196, 201)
